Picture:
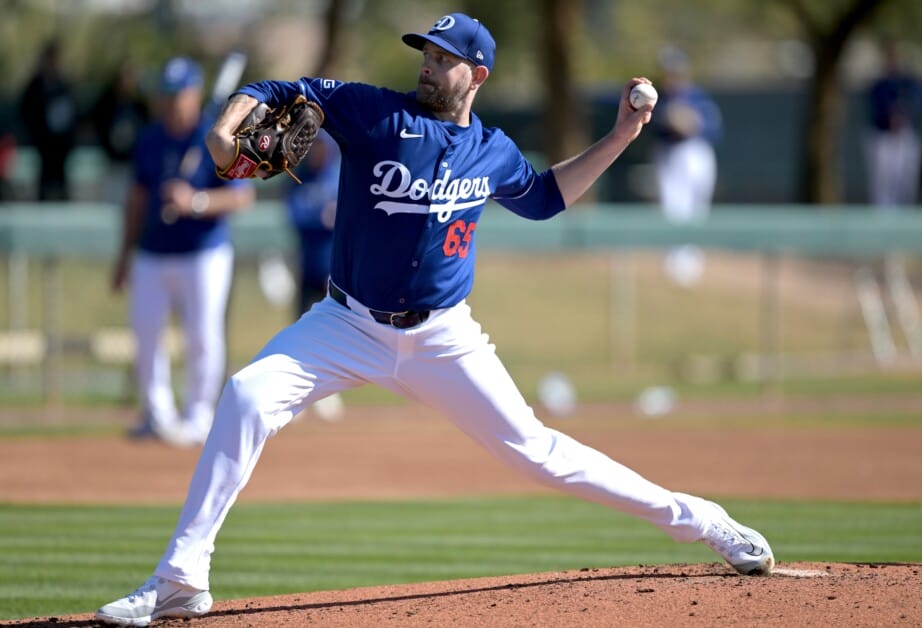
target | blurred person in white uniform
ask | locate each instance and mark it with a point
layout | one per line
(686, 127)
(176, 254)
(892, 142)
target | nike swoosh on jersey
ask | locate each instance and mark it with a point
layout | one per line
(408, 136)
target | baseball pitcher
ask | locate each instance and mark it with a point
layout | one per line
(417, 170)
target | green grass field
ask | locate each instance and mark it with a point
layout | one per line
(71, 559)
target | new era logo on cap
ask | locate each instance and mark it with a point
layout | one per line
(460, 35)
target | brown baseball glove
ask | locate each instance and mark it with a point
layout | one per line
(274, 140)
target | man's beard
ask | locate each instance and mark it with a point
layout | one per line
(437, 99)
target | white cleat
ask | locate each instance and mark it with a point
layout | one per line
(746, 550)
(154, 599)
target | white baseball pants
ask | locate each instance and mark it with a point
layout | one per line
(686, 174)
(196, 285)
(446, 363)
(893, 161)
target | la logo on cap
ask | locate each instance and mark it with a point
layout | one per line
(443, 23)
(460, 35)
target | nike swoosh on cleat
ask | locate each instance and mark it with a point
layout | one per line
(755, 549)
(163, 601)
(408, 136)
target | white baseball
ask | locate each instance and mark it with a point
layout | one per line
(557, 394)
(643, 94)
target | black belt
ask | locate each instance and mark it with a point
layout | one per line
(400, 320)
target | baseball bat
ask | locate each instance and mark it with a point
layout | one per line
(226, 81)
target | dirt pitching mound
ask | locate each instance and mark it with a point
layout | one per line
(798, 594)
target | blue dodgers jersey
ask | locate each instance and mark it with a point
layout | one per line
(411, 191)
(157, 158)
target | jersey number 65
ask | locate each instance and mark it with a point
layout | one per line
(458, 239)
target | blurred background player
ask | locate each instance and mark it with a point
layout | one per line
(311, 209)
(892, 154)
(686, 127)
(892, 144)
(176, 248)
(120, 114)
(49, 114)
(8, 151)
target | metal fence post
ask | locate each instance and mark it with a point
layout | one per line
(51, 385)
(770, 329)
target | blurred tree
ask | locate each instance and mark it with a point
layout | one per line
(553, 56)
(828, 27)
(565, 124)
(516, 27)
(333, 21)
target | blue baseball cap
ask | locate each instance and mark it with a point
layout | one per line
(460, 35)
(180, 73)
